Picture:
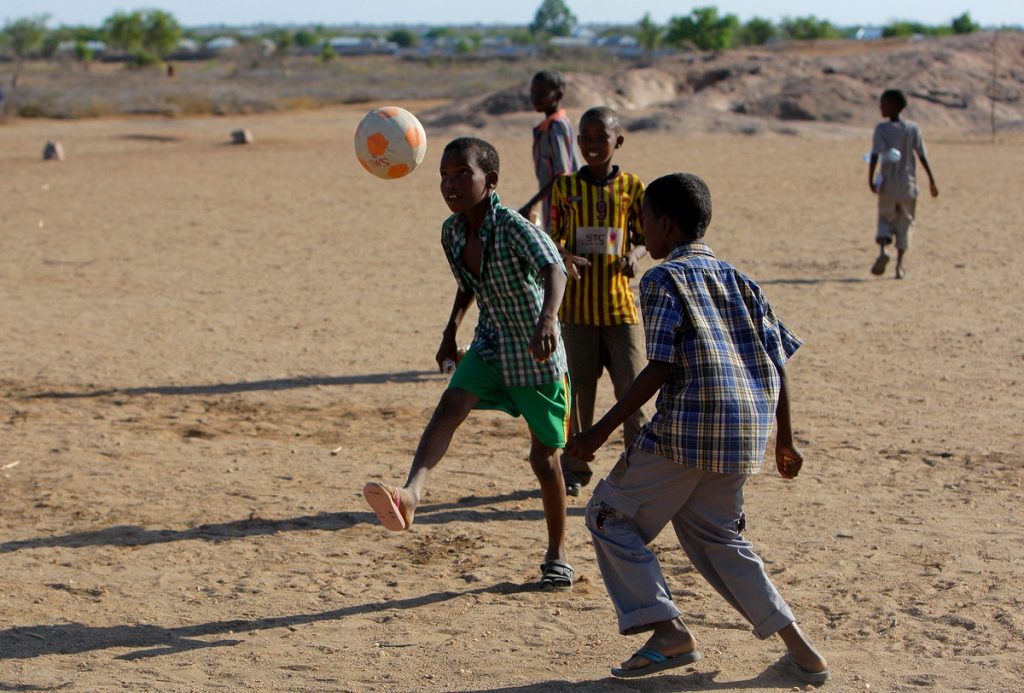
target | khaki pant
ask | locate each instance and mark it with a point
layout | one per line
(589, 351)
(895, 218)
(645, 492)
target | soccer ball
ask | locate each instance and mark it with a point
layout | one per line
(390, 142)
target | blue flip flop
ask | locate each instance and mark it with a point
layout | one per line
(789, 665)
(659, 662)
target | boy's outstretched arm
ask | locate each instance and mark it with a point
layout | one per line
(647, 383)
(449, 347)
(527, 208)
(787, 458)
(545, 335)
(931, 179)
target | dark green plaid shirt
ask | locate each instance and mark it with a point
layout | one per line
(509, 291)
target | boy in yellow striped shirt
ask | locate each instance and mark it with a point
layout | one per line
(595, 220)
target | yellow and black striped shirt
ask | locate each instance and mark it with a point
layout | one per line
(598, 220)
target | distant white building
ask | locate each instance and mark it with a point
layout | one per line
(97, 48)
(868, 33)
(221, 44)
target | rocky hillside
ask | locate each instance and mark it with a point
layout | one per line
(952, 83)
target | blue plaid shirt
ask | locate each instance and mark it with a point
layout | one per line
(716, 410)
(509, 291)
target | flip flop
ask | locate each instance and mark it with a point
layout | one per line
(789, 665)
(556, 575)
(659, 662)
(386, 501)
(880, 262)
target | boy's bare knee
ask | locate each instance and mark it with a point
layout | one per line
(455, 405)
(545, 462)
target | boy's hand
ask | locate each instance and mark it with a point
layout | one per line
(448, 351)
(871, 184)
(934, 190)
(629, 265)
(789, 460)
(545, 338)
(583, 445)
(573, 264)
(527, 211)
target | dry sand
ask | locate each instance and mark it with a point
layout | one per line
(208, 349)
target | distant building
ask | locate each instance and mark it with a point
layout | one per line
(868, 33)
(354, 45)
(221, 44)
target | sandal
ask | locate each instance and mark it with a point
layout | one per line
(556, 575)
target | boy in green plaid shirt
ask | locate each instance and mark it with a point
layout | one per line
(516, 361)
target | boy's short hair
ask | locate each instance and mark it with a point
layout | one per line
(608, 116)
(896, 96)
(685, 199)
(483, 152)
(551, 78)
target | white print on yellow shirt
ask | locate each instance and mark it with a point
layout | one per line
(598, 240)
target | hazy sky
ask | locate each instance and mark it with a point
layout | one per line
(438, 12)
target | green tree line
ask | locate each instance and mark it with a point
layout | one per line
(149, 35)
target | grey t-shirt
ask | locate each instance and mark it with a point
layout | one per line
(899, 178)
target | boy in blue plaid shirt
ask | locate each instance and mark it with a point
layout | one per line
(717, 357)
(516, 362)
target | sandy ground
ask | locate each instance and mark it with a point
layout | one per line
(208, 349)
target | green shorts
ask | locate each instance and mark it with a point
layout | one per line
(545, 407)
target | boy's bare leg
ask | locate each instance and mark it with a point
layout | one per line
(670, 638)
(548, 469)
(899, 263)
(452, 409)
(801, 649)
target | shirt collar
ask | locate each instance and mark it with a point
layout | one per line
(546, 123)
(697, 247)
(585, 174)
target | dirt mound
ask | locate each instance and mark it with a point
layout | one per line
(952, 82)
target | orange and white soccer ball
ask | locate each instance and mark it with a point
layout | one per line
(390, 142)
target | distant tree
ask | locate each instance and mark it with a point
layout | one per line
(439, 32)
(124, 30)
(964, 24)
(305, 38)
(810, 27)
(84, 54)
(152, 31)
(553, 18)
(404, 38)
(905, 28)
(649, 33)
(757, 32)
(23, 36)
(704, 28)
(282, 39)
(51, 42)
(160, 32)
(519, 37)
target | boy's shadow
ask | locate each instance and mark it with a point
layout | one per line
(695, 681)
(436, 514)
(153, 641)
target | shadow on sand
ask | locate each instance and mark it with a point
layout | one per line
(152, 640)
(463, 510)
(248, 386)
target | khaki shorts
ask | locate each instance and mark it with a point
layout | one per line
(895, 218)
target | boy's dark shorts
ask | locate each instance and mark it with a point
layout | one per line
(545, 407)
